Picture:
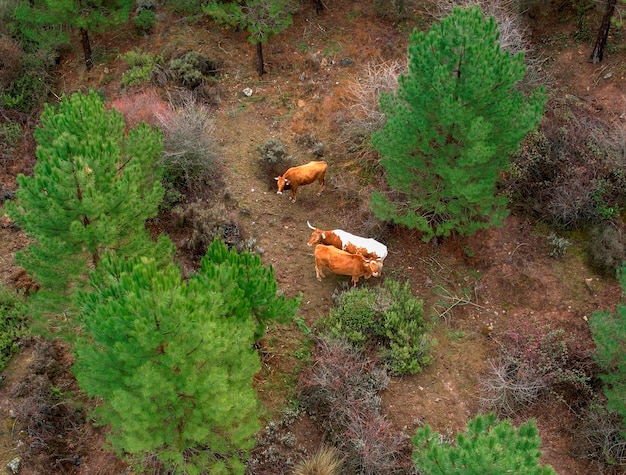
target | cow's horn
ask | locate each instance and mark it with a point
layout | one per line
(309, 224)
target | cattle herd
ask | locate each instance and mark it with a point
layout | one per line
(341, 252)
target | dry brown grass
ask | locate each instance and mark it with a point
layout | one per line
(326, 461)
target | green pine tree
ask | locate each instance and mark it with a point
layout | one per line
(172, 361)
(49, 22)
(260, 18)
(92, 189)
(488, 446)
(250, 285)
(609, 334)
(451, 127)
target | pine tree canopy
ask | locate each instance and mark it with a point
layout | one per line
(251, 285)
(260, 18)
(172, 367)
(488, 446)
(451, 127)
(92, 189)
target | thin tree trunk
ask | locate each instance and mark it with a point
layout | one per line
(259, 56)
(603, 33)
(84, 37)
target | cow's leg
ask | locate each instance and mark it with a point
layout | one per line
(292, 195)
(355, 280)
(321, 187)
(318, 272)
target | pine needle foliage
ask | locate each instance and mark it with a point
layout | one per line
(487, 446)
(173, 361)
(452, 124)
(251, 286)
(262, 19)
(609, 333)
(92, 189)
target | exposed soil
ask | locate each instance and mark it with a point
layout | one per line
(508, 271)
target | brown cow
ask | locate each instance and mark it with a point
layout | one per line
(341, 239)
(343, 263)
(302, 175)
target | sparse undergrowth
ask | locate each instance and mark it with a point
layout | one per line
(535, 360)
(340, 391)
(46, 409)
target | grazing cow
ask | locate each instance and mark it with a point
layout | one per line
(343, 263)
(302, 175)
(370, 248)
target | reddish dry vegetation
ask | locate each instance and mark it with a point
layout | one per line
(508, 271)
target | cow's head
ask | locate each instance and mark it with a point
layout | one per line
(282, 184)
(317, 236)
(375, 267)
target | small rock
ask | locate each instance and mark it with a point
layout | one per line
(247, 92)
(346, 62)
(14, 465)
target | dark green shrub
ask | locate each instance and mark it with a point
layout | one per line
(191, 69)
(409, 344)
(185, 7)
(145, 21)
(273, 159)
(10, 135)
(606, 248)
(28, 89)
(141, 65)
(13, 323)
(354, 317)
(389, 315)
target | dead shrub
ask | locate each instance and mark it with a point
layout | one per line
(339, 375)
(190, 158)
(534, 360)
(209, 221)
(340, 390)
(572, 172)
(365, 116)
(11, 64)
(606, 248)
(600, 437)
(276, 446)
(314, 146)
